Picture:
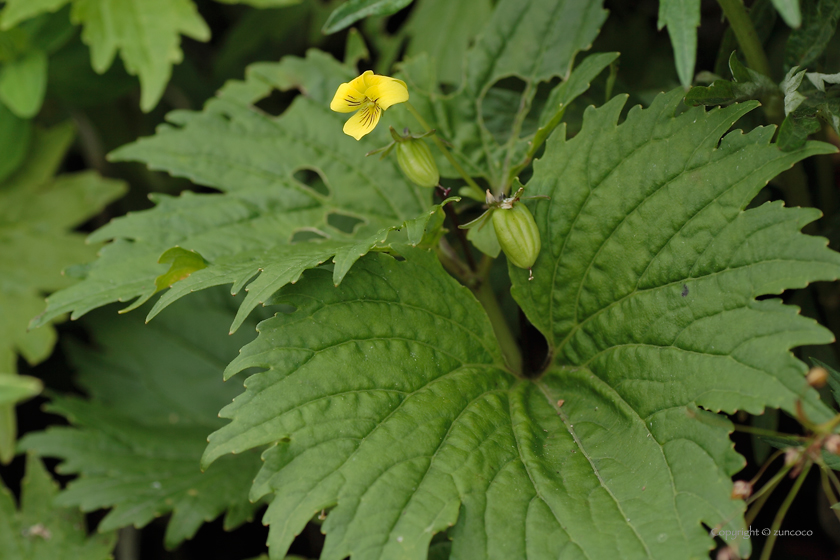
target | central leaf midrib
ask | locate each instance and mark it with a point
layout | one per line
(553, 404)
(652, 194)
(591, 188)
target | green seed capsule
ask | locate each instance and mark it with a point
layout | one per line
(417, 163)
(518, 234)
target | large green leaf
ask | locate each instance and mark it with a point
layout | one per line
(136, 444)
(256, 159)
(145, 32)
(40, 530)
(37, 212)
(424, 430)
(682, 17)
(651, 267)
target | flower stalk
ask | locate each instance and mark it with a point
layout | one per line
(446, 153)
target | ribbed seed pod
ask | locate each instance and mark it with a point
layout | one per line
(518, 234)
(417, 163)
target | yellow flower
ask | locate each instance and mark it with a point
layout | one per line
(368, 95)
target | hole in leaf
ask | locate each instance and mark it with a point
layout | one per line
(305, 235)
(276, 103)
(312, 178)
(343, 222)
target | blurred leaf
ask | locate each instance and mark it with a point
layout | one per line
(40, 530)
(145, 32)
(136, 443)
(444, 30)
(269, 35)
(682, 17)
(354, 10)
(17, 11)
(16, 388)
(73, 81)
(807, 43)
(23, 84)
(789, 10)
(746, 84)
(49, 32)
(15, 134)
(36, 212)
(356, 49)
(263, 3)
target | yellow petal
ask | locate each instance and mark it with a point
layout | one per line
(347, 98)
(386, 91)
(362, 122)
(360, 83)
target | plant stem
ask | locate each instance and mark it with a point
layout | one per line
(760, 497)
(760, 431)
(750, 44)
(484, 294)
(829, 491)
(450, 261)
(518, 120)
(447, 154)
(128, 544)
(780, 515)
(744, 30)
(766, 464)
(831, 476)
(504, 335)
(459, 233)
